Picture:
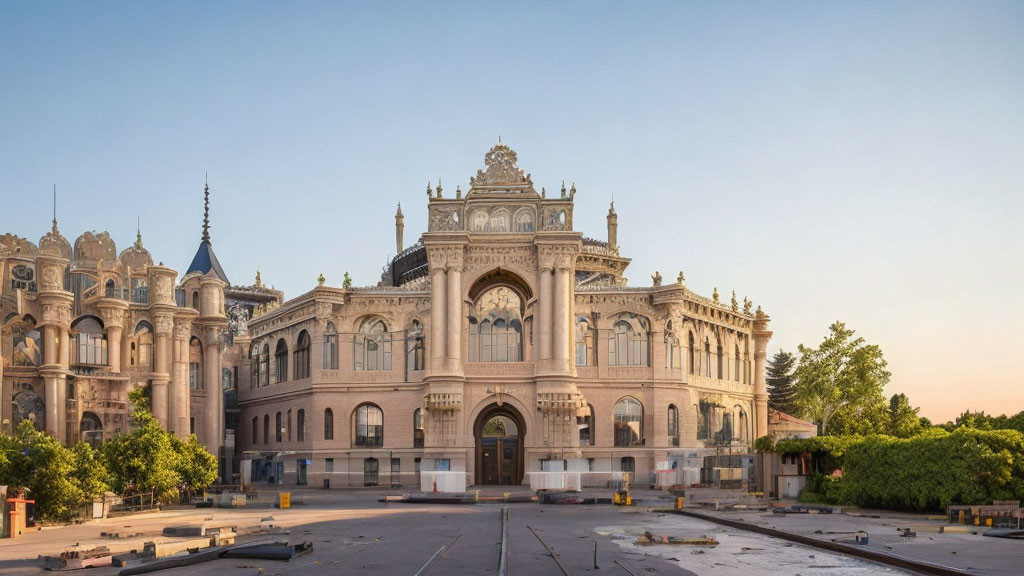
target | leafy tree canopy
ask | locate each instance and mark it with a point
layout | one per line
(839, 384)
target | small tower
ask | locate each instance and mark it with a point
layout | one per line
(399, 229)
(613, 227)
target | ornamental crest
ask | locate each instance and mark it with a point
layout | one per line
(501, 169)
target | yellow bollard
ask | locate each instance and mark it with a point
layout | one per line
(284, 500)
(680, 501)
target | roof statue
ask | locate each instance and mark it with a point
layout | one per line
(205, 260)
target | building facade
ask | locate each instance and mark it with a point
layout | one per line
(502, 342)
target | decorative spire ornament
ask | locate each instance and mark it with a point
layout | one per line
(735, 303)
(55, 231)
(747, 304)
(206, 210)
(438, 187)
(320, 280)
(430, 191)
(714, 295)
(138, 232)
(681, 279)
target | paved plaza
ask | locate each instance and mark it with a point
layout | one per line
(353, 533)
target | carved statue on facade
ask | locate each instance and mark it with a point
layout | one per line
(656, 278)
(346, 283)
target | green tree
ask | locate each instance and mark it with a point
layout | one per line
(89, 472)
(781, 384)
(143, 460)
(839, 384)
(36, 461)
(901, 419)
(196, 468)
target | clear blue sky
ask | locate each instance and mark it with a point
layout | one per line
(831, 160)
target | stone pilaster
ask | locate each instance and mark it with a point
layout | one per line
(163, 324)
(113, 310)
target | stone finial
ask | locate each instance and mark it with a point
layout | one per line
(438, 187)
(206, 211)
(563, 188)
(430, 191)
(320, 279)
(138, 233)
(735, 303)
(543, 192)
(458, 192)
(714, 295)
(656, 278)
(747, 304)
(760, 314)
(572, 191)
(346, 283)
(259, 281)
(681, 279)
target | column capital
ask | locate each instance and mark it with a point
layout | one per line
(112, 311)
(163, 324)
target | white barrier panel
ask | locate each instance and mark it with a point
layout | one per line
(555, 481)
(445, 481)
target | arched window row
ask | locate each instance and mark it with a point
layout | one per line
(302, 345)
(281, 361)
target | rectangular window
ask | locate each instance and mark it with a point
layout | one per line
(442, 464)
(370, 470)
(628, 464)
(328, 464)
(396, 470)
(192, 425)
(193, 376)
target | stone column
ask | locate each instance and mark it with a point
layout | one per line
(761, 337)
(178, 394)
(161, 366)
(544, 313)
(49, 344)
(454, 322)
(214, 392)
(438, 316)
(561, 317)
(114, 348)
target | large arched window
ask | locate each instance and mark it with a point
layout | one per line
(266, 428)
(673, 425)
(368, 421)
(302, 356)
(417, 428)
(372, 346)
(195, 364)
(288, 425)
(585, 355)
(90, 342)
(671, 347)
(300, 424)
(330, 347)
(629, 422)
(328, 424)
(690, 352)
(628, 341)
(281, 360)
(265, 365)
(142, 347)
(496, 326)
(277, 428)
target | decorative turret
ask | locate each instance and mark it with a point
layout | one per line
(399, 229)
(205, 260)
(613, 227)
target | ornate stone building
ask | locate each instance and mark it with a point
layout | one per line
(503, 342)
(83, 326)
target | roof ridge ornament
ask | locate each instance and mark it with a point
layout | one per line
(501, 169)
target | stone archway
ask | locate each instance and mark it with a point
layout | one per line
(499, 431)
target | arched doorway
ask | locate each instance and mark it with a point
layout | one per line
(499, 433)
(91, 429)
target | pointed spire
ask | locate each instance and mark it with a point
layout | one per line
(138, 232)
(259, 281)
(55, 231)
(439, 188)
(206, 210)
(399, 213)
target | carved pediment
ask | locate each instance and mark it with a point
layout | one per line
(501, 170)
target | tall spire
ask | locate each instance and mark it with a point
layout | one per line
(206, 210)
(55, 231)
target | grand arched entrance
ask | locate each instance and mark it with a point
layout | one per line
(499, 433)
